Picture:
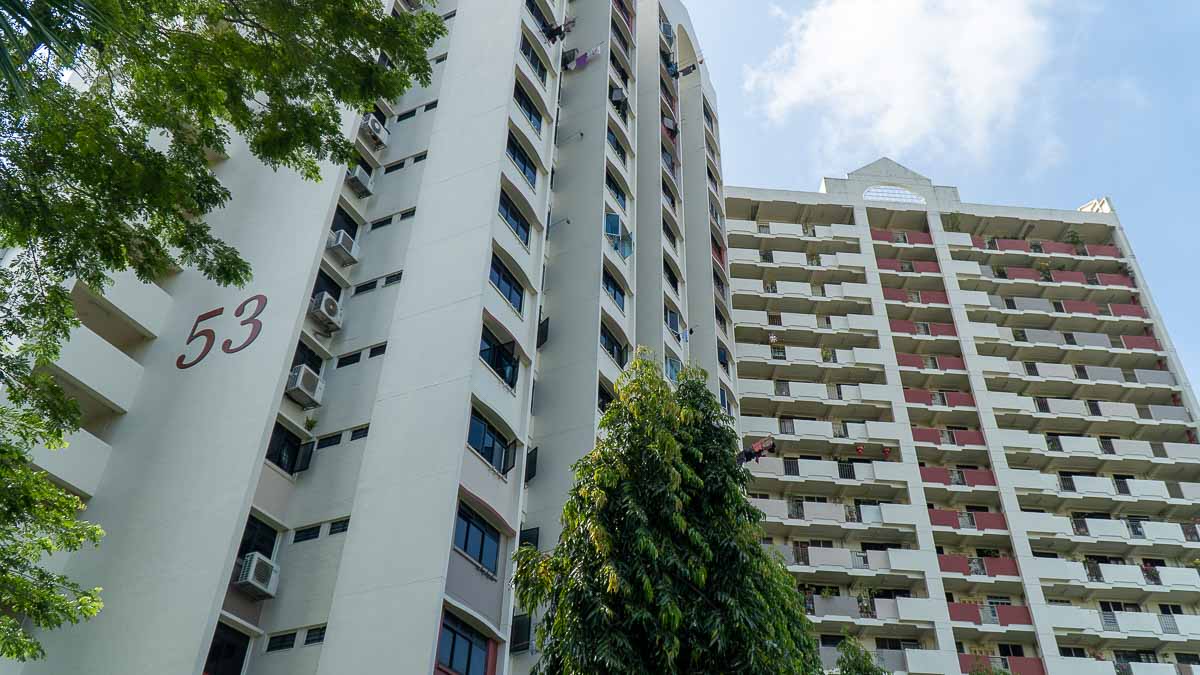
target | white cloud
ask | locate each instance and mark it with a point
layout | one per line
(941, 75)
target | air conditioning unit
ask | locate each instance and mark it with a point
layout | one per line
(343, 247)
(360, 180)
(326, 310)
(373, 129)
(304, 386)
(259, 576)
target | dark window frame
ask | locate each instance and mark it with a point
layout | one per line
(475, 537)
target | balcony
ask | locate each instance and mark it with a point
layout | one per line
(1060, 665)
(1130, 625)
(990, 615)
(878, 479)
(1100, 492)
(908, 266)
(960, 477)
(1182, 582)
(1121, 537)
(967, 520)
(975, 566)
(922, 328)
(931, 362)
(916, 297)
(960, 437)
(908, 237)
(90, 366)
(1017, 665)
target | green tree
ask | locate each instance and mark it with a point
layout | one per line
(109, 170)
(659, 568)
(853, 659)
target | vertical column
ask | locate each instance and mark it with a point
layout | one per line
(1019, 538)
(908, 450)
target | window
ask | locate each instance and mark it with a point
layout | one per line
(306, 534)
(329, 441)
(487, 440)
(500, 356)
(407, 114)
(360, 433)
(280, 642)
(284, 448)
(306, 356)
(339, 526)
(670, 235)
(393, 278)
(613, 289)
(461, 649)
(515, 219)
(408, 213)
(438, 59)
(478, 539)
(508, 285)
(528, 108)
(615, 188)
(349, 359)
(394, 166)
(382, 222)
(227, 653)
(670, 275)
(1187, 659)
(723, 357)
(616, 33)
(535, 61)
(419, 157)
(1010, 649)
(615, 144)
(671, 319)
(326, 284)
(618, 237)
(603, 399)
(344, 222)
(314, 635)
(613, 346)
(519, 157)
(618, 69)
(258, 537)
(377, 350)
(432, 104)
(363, 288)
(672, 367)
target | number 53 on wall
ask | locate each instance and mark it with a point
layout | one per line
(209, 336)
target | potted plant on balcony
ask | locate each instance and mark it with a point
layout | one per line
(1072, 237)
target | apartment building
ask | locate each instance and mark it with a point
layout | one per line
(329, 470)
(980, 445)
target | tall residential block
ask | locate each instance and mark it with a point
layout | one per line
(980, 446)
(328, 471)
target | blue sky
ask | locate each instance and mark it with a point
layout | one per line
(1021, 102)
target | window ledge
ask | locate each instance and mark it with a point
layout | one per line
(511, 390)
(279, 470)
(489, 465)
(475, 563)
(519, 312)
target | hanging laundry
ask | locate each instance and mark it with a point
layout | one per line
(583, 58)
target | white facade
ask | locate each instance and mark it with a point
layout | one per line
(381, 465)
(985, 444)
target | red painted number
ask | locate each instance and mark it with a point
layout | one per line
(252, 321)
(210, 336)
(207, 333)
